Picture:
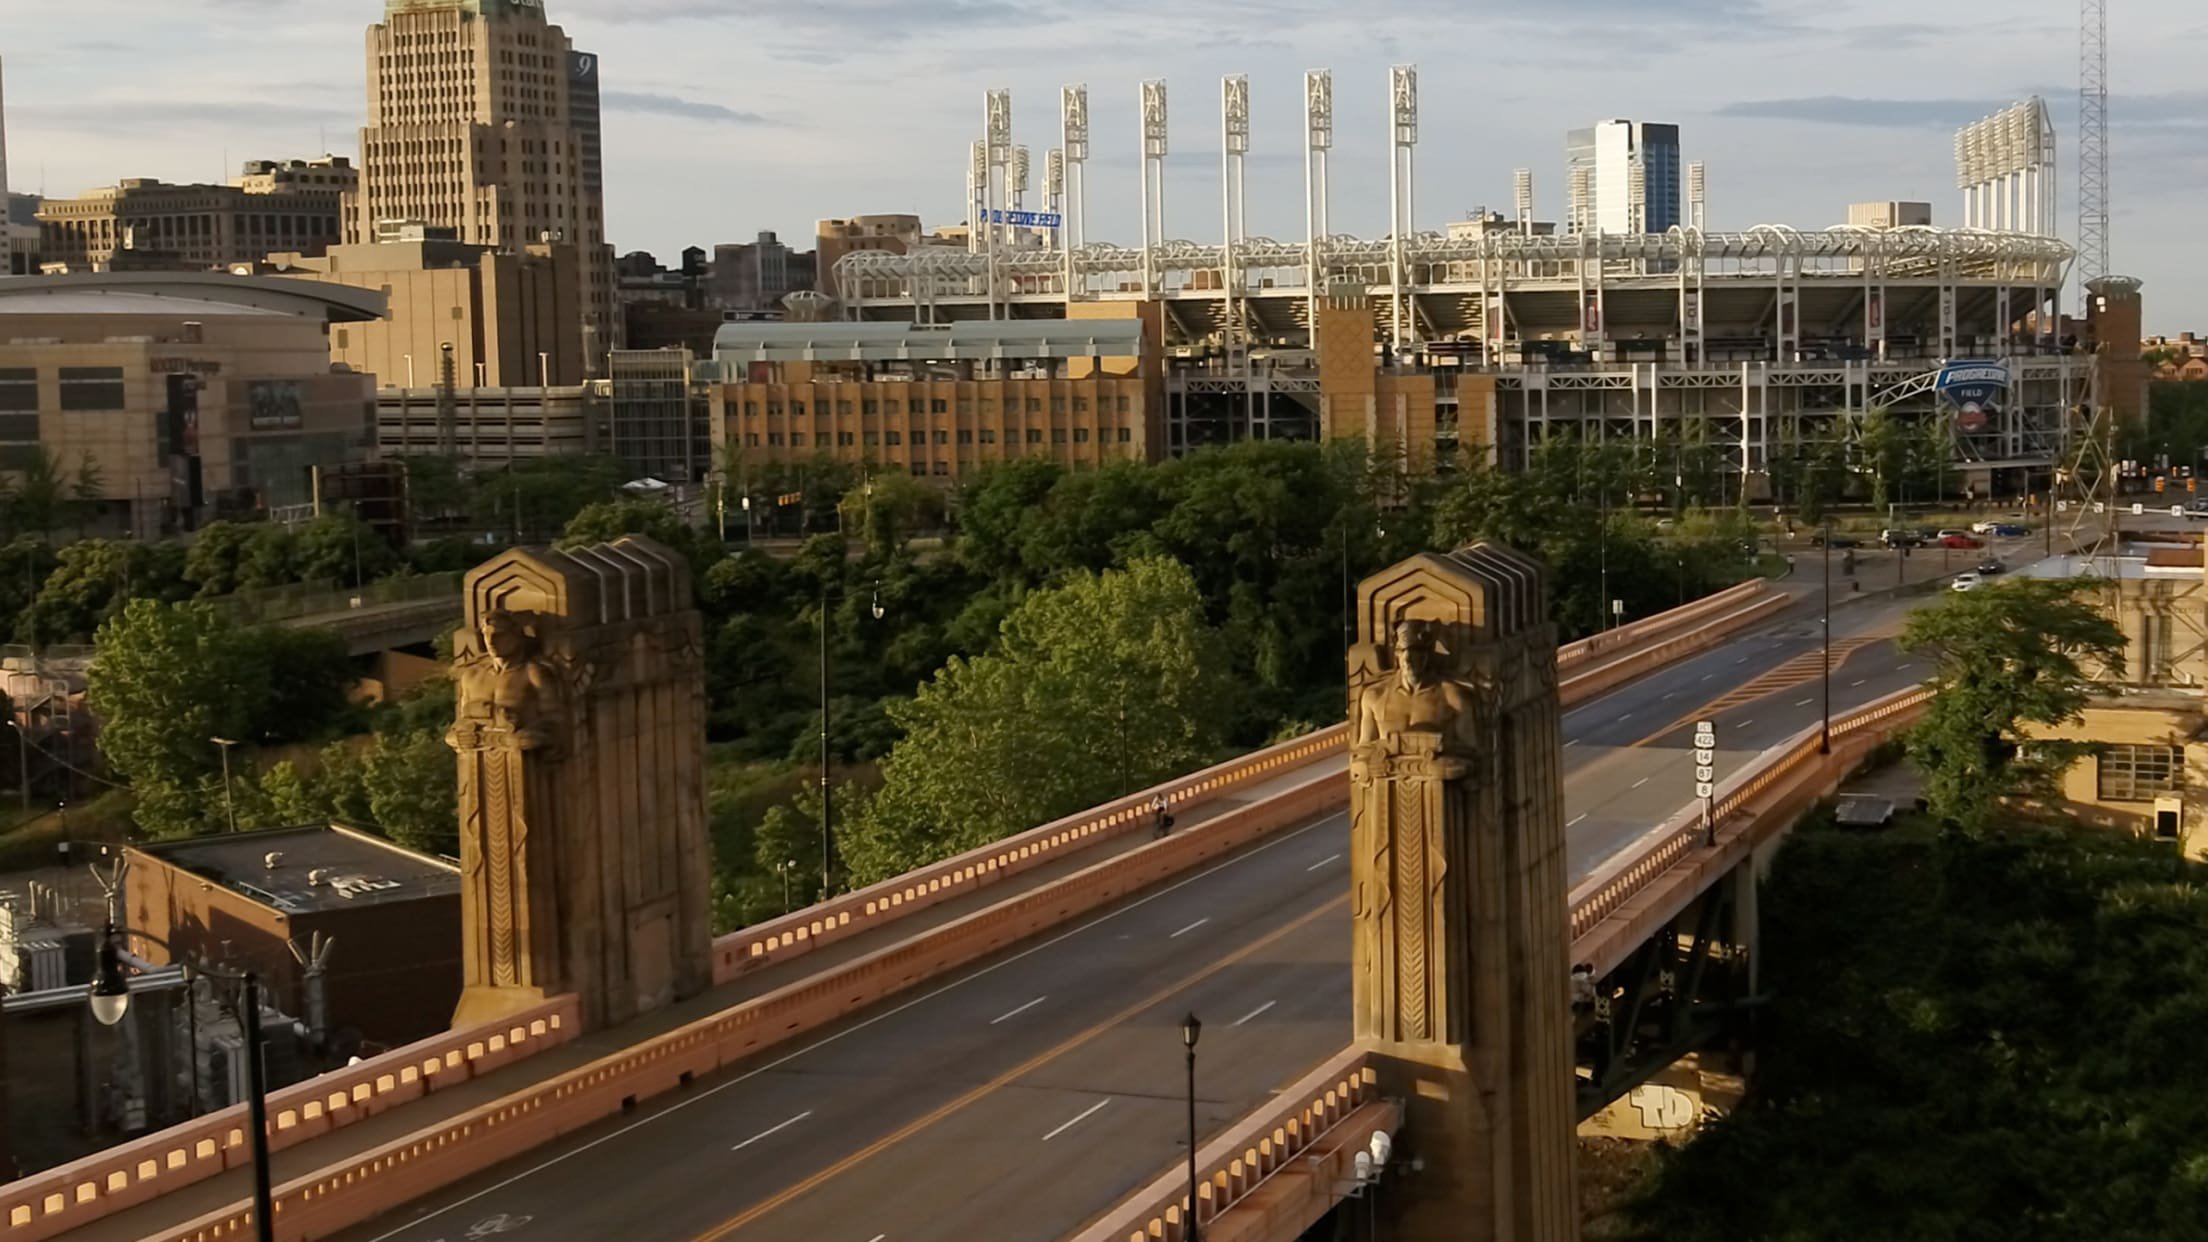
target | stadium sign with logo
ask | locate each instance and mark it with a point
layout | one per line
(1977, 388)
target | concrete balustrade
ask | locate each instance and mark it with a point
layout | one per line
(802, 931)
(1336, 1107)
(59, 1199)
(344, 1195)
(352, 1191)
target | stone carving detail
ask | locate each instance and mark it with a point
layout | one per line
(579, 731)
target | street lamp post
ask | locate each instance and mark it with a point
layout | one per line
(827, 795)
(784, 869)
(109, 998)
(1824, 730)
(22, 762)
(1190, 1029)
(229, 808)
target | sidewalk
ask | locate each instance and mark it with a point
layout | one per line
(179, 1207)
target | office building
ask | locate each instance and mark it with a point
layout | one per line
(7, 232)
(511, 316)
(190, 394)
(1890, 215)
(19, 222)
(269, 207)
(482, 119)
(757, 275)
(833, 239)
(1623, 177)
(660, 409)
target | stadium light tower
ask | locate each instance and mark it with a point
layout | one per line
(1153, 180)
(1402, 148)
(1318, 141)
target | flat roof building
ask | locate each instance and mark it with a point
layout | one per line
(392, 915)
(1889, 215)
(271, 206)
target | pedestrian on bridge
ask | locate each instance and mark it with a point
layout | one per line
(1159, 813)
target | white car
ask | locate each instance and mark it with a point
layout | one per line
(1983, 528)
(1966, 582)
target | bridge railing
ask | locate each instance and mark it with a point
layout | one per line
(802, 931)
(1610, 888)
(1571, 655)
(62, 1198)
(313, 599)
(1283, 1137)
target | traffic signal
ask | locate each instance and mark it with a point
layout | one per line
(2158, 484)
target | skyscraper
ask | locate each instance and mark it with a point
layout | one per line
(1623, 177)
(7, 255)
(474, 124)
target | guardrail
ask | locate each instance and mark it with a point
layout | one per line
(398, 1172)
(1336, 1107)
(62, 1198)
(308, 599)
(1572, 654)
(816, 926)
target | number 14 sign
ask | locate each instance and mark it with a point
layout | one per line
(1705, 757)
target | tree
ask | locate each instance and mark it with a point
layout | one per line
(609, 520)
(2006, 658)
(309, 674)
(40, 500)
(1884, 452)
(211, 562)
(1103, 685)
(86, 490)
(93, 579)
(413, 790)
(165, 680)
(341, 549)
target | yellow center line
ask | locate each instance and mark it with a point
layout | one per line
(871, 1150)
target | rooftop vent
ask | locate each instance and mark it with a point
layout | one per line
(272, 859)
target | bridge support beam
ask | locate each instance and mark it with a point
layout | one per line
(1458, 870)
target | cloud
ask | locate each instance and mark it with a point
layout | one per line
(2179, 110)
(675, 105)
(173, 115)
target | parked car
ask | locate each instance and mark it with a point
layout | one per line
(1838, 541)
(1983, 528)
(1957, 539)
(1966, 582)
(1897, 538)
(1950, 530)
(1992, 565)
(2010, 530)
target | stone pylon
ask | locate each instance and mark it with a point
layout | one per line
(581, 737)
(1458, 872)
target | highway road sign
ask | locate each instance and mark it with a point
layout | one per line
(1705, 773)
(1704, 789)
(1704, 755)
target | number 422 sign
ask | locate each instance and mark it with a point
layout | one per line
(1705, 758)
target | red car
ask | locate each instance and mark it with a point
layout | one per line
(1961, 541)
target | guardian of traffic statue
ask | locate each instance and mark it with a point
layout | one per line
(580, 732)
(1458, 876)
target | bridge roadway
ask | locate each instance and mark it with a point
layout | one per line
(1014, 1100)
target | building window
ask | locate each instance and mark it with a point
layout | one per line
(774, 409)
(774, 439)
(965, 436)
(918, 406)
(1057, 435)
(873, 438)
(1080, 435)
(19, 391)
(988, 405)
(797, 409)
(1125, 434)
(942, 437)
(942, 468)
(893, 437)
(1123, 405)
(1080, 405)
(2131, 773)
(1057, 405)
(920, 469)
(751, 409)
(797, 439)
(843, 438)
(91, 388)
(965, 407)
(938, 406)
(871, 406)
(842, 407)
(1034, 435)
(751, 439)
(1034, 405)
(988, 436)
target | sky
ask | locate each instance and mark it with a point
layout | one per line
(726, 117)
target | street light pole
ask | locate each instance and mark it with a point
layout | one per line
(1824, 730)
(229, 808)
(22, 762)
(109, 997)
(1190, 1029)
(827, 796)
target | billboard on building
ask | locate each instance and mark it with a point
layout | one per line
(1976, 388)
(272, 405)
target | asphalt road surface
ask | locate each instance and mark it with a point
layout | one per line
(1017, 1099)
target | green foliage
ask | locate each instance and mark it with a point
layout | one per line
(1973, 1039)
(609, 520)
(2006, 657)
(341, 549)
(1103, 685)
(92, 580)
